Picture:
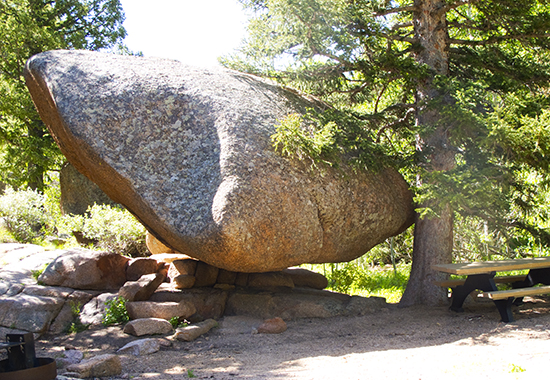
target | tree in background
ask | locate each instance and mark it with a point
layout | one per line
(28, 27)
(453, 92)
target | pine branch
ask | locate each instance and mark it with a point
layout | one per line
(398, 38)
(466, 25)
(497, 39)
(403, 25)
(385, 12)
(394, 124)
(455, 5)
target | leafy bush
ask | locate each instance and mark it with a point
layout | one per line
(115, 312)
(24, 214)
(109, 228)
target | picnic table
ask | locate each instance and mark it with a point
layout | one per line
(481, 276)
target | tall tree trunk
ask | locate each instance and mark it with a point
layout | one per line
(35, 167)
(433, 237)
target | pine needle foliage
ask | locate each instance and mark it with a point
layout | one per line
(362, 58)
(29, 27)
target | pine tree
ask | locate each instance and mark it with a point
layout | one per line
(28, 27)
(454, 92)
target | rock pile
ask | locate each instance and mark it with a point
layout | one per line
(49, 304)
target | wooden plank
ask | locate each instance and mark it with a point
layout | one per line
(498, 280)
(521, 292)
(480, 267)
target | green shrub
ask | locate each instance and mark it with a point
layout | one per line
(109, 228)
(355, 279)
(24, 214)
(115, 312)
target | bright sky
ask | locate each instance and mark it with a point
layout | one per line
(195, 32)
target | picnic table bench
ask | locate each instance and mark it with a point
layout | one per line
(481, 276)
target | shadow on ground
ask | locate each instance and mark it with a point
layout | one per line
(416, 342)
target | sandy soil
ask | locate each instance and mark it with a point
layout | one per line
(413, 343)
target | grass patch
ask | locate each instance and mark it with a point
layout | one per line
(366, 281)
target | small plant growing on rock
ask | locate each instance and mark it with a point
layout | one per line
(176, 322)
(37, 272)
(76, 325)
(115, 312)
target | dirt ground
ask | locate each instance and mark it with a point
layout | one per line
(395, 343)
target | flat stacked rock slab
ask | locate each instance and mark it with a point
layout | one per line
(28, 306)
(189, 152)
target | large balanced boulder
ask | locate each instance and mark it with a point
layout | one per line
(189, 152)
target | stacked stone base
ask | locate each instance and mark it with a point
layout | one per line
(74, 278)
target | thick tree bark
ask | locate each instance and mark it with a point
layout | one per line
(35, 168)
(433, 244)
(433, 237)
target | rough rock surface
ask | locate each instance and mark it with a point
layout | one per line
(148, 326)
(78, 192)
(154, 135)
(141, 289)
(141, 347)
(85, 269)
(183, 281)
(140, 266)
(29, 313)
(164, 310)
(299, 303)
(155, 246)
(98, 366)
(190, 333)
(186, 266)
(272, 326)
(303, 278)
(208, 302)
(270, 280)
(49, 309)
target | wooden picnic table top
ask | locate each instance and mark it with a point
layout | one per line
(479, 267)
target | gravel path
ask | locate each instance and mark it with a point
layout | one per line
(413, 343)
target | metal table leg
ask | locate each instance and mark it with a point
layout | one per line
(483, 282)
(534, 277)
(505, 309)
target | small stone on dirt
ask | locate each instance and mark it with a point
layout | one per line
(272, 326)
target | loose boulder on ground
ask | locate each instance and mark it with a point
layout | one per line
(192, 332)
(98, 366)
(148, 326)
(86, 269)
(189, 152)
(272, 326)
(141, 347)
